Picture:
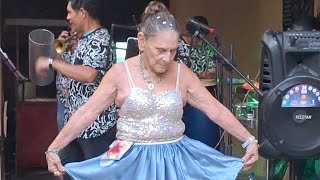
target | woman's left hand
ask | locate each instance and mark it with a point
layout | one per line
(251, 156)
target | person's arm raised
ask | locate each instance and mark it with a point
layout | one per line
(79, 73)
(92, 64)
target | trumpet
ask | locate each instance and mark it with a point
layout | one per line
(61, 45)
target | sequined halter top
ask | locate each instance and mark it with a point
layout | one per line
(149, 117)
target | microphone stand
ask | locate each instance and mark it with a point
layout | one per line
(5, 59)
(229, 139)
(230, 67)
(219, 77)
(219, 94)
(227, 62)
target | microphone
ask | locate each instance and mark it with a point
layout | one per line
(193, 25)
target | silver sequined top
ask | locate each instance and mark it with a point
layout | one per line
(150, 117)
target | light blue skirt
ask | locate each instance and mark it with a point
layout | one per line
(185, 159)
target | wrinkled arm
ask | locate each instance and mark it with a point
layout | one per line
(101, 99)
(199, 97)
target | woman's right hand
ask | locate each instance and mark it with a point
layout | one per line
(54, 165)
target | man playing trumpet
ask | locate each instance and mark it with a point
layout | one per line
(67, 41)
(63, 51)
(88, 63)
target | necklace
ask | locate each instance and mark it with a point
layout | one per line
(149, 82)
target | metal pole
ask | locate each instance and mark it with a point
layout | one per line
(229, 139)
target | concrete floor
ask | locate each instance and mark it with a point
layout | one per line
(32, 174)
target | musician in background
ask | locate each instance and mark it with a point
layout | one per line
(196, 54)
(62, 86)
(199, 57)
(89, 62)
(62, 82)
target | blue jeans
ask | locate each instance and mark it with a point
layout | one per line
(60, 114)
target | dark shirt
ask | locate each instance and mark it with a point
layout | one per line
(92, 50)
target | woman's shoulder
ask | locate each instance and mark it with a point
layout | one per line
(187, 76)
(183, 67)
(121, 66)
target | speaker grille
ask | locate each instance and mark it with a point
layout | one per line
(266, 78)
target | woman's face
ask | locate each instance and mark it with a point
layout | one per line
(159, 50)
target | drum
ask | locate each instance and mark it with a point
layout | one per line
(247, 115)
(210, 85)
(208, 82)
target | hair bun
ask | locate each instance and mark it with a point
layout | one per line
(154, 7)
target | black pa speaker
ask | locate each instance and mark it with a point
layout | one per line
(289, 110)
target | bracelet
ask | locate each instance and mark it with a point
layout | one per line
(250, 140)
(51, 151)
(50, 61)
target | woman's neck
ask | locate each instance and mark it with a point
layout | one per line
(147, 70)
